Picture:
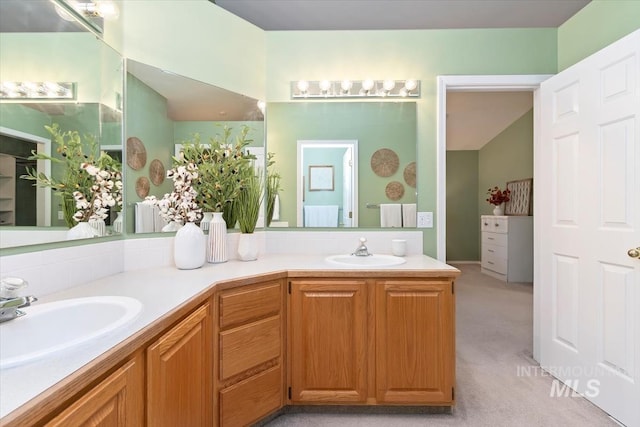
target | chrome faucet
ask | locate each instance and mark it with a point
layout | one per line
(10, 302)
(362, 249)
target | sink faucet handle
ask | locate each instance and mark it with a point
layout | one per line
(363, 239)
(9, 286)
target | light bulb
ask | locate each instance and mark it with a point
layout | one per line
(346, 85)
(303, 86)
(262, 105)
(388, 85)
(325, 85)
(367, 85)
(410, 85)
(107, 9)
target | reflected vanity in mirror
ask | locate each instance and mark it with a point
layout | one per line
(354, 139)
(163, 110)
(38, 50)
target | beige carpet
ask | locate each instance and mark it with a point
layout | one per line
(494, 346)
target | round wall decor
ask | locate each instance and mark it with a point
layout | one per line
(142, 187)
(136, 153)
(410, 174)
(394, 190)
(384, 162)
(156, 172)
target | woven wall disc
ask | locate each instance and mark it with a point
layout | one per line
(136, 153)
(394, 190)
(384, 162)
(156, 172)
(410, 174)
(142, 187)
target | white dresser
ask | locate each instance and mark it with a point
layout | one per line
(507, 247)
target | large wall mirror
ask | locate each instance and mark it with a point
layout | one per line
(36, 46)
(163, 110)
(344, 164)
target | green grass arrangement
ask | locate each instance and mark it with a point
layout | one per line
(272, 187)
(247, 204)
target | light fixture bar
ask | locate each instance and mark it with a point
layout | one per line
(38, 90)
(323, 89)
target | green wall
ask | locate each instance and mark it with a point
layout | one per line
(597, 25)
(507, 157)
(417, 54)
(374, 125)
(463, 242)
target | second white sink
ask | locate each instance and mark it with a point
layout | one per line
(375, 260)
(56, 326)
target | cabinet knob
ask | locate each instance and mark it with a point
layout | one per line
(486, 223)
(496, 224)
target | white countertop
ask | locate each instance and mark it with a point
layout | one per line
(161, 290)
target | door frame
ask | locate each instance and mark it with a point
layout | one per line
(485, 83)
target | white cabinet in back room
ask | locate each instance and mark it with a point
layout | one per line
(507, 247)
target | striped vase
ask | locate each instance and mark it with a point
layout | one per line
(217, 242)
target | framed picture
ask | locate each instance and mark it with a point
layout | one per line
(321, 178)
(520, 199)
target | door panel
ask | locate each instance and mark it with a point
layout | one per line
(589, 287)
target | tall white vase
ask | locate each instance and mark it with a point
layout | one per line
(217, 244)
(118, 223)
(248, 247)
(189, 247)
(206, 219)
(100, 226)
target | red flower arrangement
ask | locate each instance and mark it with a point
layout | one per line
(497, 196)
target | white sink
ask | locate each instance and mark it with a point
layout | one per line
(56, 326)
(366, 261)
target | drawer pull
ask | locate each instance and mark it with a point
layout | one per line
(486, 223)
(490, 250)
(490, 238)
(497, 225)
(489, 262)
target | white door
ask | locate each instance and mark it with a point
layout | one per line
(588, 188)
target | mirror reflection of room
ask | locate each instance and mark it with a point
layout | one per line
(372, 127)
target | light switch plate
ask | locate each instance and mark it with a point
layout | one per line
(425, 219)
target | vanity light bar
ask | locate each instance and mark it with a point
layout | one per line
(38, 90)
(322, 89)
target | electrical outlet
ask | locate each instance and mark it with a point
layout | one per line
(60, 215)
(425, 220)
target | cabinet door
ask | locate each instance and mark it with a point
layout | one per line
(179, 373)
(329, 337)
(117, 401)
(414, 341)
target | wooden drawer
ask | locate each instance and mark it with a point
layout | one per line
(492, 262)
(249, 345)
(246, 304)
(251, 399)
(497, 239)
(494, 224)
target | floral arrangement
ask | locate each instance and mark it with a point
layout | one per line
(180, 205)
(221, 166)
(247, 204)
(91, 181)
(497, 196)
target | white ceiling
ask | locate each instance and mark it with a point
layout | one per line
(475, 118)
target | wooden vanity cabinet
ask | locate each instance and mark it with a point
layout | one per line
(372, 341)
(250, 362)
(116, 401)
(328, 340)
(180, 373)
(415, 338)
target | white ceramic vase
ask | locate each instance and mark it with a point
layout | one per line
(217, 243)
(99, 226)
(172, 226)
(118, 223)
(189, 247)
(206, 219)
(498, 210)
(248, 247)
(82, 230)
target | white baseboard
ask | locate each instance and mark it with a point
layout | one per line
(463, 262)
